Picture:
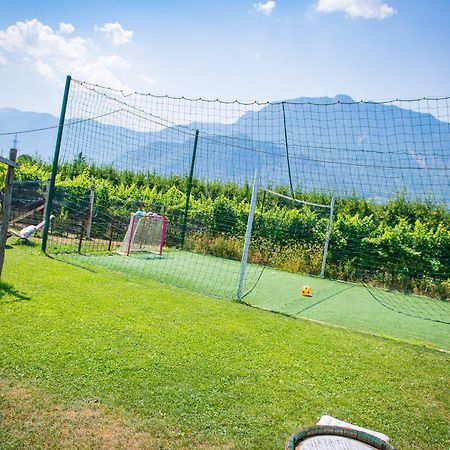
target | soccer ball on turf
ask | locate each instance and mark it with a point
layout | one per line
(306, 291)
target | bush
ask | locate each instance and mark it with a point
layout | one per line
(400, 244)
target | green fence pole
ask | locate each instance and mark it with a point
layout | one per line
(188, 190)
(51, 191)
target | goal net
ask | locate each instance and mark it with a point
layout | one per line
(145, 233)
(304, 235)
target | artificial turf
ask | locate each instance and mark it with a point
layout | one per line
(336, 303)
(215, 373)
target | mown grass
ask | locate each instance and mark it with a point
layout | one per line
(194, 370)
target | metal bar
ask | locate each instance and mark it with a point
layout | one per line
(9, 180)
(90, 213)
(27, 214)
(130, 239)
(163, 235)
(189, 188)
(297, 200)
(51, 191)
(287, 150)
(327, 239)
(248, 235)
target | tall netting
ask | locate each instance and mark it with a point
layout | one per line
(384, 166)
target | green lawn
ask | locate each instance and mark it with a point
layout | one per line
(193, 371)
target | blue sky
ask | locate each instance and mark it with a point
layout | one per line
(268, 50)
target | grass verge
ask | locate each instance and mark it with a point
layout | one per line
(210, 372)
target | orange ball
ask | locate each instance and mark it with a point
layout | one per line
(306, 291)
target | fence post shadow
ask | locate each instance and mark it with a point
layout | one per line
(10, 290)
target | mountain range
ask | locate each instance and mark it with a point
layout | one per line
(334, 144)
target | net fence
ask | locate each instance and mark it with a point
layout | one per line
(385, 165)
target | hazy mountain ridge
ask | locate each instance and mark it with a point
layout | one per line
(371, 149)
(39, 143)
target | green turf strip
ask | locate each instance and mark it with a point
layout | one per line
(343, 304)
(209, 368)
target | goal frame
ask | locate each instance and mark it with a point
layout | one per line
(330, 207)
(133, 230)
(248, 234)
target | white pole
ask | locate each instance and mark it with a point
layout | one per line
(327, 239)
(91, 212)
(248, 235)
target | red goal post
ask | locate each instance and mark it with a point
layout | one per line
(146, 233)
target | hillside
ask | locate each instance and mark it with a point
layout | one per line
(335, 144)
(40, 143)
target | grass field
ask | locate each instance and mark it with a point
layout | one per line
(333, 302)
(99, 360)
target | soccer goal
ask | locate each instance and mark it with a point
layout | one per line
(302, 227)
(145, 233)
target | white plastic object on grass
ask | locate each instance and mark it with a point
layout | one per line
(329, 420)
(337, 442)
(28, 231)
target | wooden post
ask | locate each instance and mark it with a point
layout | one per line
(90, 213)
(11, 163)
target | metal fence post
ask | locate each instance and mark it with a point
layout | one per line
(51, 191)
(189, 188)
(248, 235)
(90, 213)
(327, 239)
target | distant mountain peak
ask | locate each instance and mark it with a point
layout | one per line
(340, 98)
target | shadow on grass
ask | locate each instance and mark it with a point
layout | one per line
(70, 263)
(25, 243)
(9, 290)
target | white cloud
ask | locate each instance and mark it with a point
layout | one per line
(113, 61)
(265, 8)
(366, 9)
(65, 28)
(116, 32)
(35, 45)
(148, 80)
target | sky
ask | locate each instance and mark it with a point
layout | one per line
(227, 49)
